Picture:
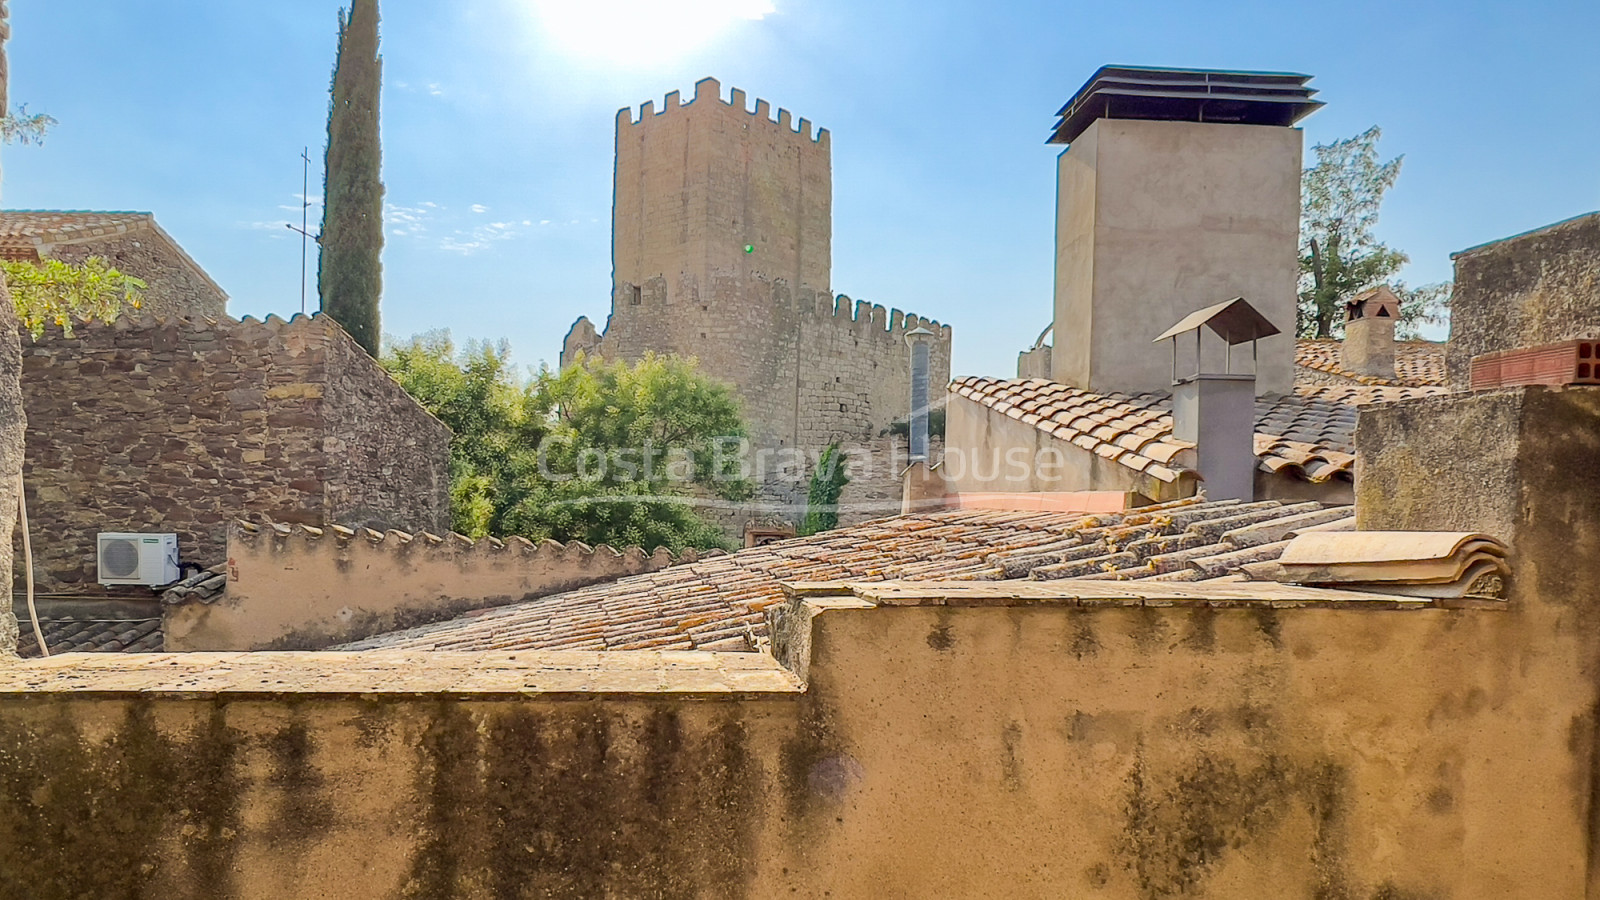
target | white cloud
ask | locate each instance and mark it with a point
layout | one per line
(479, 208)
(408, 221)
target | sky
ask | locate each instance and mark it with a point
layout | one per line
(498, 120)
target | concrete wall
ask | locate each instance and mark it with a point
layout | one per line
(938, 750)
(1535, 288)
(175, 285)
(1158, 219)
(183, 425)
(300, 589)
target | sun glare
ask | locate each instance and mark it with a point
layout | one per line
(641, 32)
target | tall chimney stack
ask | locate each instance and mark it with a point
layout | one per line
(1370, 317)
(1216, 411)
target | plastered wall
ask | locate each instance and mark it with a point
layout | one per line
(297, 588)
(1041, 750)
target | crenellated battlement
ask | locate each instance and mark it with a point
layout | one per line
(708, 94)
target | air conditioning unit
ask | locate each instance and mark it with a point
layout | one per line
(150, 559)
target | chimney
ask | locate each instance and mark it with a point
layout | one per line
(1174, 184)
(920, 340)
(1216, 411)
(1369, 332)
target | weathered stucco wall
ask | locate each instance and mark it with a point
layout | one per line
(1155, 220)
(174, 284)
(1023, 751)
(182, 425)
(295, 589)
(1535, 288)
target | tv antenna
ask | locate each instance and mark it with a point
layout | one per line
(305, 221)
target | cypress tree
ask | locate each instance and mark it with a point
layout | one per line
(350, 272)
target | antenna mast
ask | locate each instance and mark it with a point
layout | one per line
(305, 221)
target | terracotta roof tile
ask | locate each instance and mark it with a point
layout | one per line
(720, 601)
(1416, 363)
(88, 634)
(1298, 436)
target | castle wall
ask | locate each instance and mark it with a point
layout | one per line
(173, 288)
(175, 425)
(697, 182)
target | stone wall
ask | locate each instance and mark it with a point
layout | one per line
(175, 284)
(697, 183)
(809, 369)
(721, 245)
(178, 425)
(1535, 288)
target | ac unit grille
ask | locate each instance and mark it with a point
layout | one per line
(120, 559)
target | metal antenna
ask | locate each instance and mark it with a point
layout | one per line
(305, 221)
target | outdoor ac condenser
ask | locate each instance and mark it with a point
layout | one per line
(150, 559)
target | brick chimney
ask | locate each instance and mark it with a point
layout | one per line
(1369, 323)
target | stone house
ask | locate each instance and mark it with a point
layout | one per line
(130, 241)
(183, 425)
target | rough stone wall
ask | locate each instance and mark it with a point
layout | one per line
(173, 286)
(388, 459)
(183, 425)
(696, 183)
(809, 368)
(1535, 288)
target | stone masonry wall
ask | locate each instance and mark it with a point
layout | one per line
(173, 286)
(388, 459)
(172, 425)
(1535, 288)
(697, 183)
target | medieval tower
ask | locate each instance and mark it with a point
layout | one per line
(721, 250)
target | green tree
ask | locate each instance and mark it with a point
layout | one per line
(827, 484)
(604, 454)
(53, 291)
(22, 127)
(350, 272)
(1339, 256)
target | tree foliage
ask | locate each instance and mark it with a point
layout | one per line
(350, 272)
(22, 127)
(1339, 255)
(54, 291)
(827, 484)
(604, 454)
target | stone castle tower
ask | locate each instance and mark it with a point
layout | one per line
(721, 250)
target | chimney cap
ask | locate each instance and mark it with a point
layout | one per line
(1235, 321)
(1375, 302)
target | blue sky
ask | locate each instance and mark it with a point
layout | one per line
(498, 119)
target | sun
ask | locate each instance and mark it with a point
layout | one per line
(641, 32)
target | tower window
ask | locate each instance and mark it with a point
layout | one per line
(635, 295)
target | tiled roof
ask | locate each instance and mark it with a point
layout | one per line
(720, 603)
(1296, 436)
(1363, 394)
(89, 634)
(24, 229)
(1416, 363)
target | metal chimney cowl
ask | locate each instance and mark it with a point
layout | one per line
(1216, 411)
